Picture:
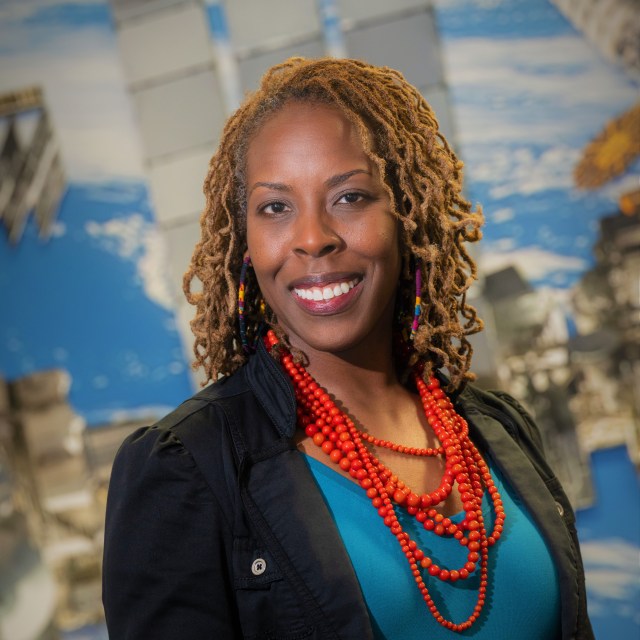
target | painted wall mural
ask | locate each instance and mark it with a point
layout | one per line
(548, 128)
(87, 328)
(94, 299)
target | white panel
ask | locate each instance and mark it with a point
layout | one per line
(256, 22)
(165, 42)
(126, 9)
(252, 69)
(438, 98)
(359, 10)
(181, 241)
(185, 313)
(409, 45)
(179, 115)
(176, 186)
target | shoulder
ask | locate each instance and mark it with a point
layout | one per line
(168, 527)
(507, 414)
(190, 450)
(203, 414)
(516, 420)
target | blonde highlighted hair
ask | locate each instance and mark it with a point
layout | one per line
(421, 173)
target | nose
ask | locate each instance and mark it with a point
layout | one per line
(315, 234)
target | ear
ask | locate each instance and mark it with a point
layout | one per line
(245, 255)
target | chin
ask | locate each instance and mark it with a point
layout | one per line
(330, 340)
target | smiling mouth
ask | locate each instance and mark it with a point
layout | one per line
(327, 292)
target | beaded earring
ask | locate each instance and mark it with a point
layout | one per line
(247, 347)
(418, 306)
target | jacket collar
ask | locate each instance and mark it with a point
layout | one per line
(273, 389)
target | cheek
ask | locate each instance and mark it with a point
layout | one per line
(261, 246)
(265, 250)
(381, 241)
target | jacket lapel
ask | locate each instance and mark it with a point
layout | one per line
(302, 535)
(490, 436)
(282, 499)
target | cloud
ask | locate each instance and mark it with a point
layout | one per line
(526, 108)
(519, 169)
(624, 184)
(612, 569)
(563, 71)
(533, 263)
(146, 414)
(16, 11)
(468, 4)
(139, 241)
(551, 89)
(79, 69)
(58, 229)
(504, 214)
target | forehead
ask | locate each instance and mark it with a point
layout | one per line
(304, 129)
(310, 115)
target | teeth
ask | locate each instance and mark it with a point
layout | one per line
(326, 293)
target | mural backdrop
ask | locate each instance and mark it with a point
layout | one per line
(547, 125)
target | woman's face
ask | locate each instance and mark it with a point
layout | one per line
(320, 232)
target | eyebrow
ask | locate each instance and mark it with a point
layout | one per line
(334, 181)
(331, 182)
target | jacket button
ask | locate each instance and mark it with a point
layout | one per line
(560, 509)
(258, 567)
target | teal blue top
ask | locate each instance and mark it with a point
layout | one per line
(523, 598)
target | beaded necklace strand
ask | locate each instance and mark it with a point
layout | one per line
(336, 434)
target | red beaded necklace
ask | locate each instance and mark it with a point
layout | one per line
(333, 431)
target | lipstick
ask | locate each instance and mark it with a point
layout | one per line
(325, 294)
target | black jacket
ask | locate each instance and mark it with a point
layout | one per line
(216, 529)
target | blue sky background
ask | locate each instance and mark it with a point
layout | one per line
(95, 299)
(529, 92)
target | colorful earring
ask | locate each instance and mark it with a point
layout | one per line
(242, 320)
(418, 305)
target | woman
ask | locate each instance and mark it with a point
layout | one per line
(335, 483)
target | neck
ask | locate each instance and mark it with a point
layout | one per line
(363, 379)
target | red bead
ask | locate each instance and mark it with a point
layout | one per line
(331, 429)
(399, 496)
(413, 500)
(327, 446)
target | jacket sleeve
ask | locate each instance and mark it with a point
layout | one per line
(165, 570)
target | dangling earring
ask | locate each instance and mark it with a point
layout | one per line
(242, 320)
(418, 305)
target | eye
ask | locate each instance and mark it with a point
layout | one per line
(274, 207)
(350, 198)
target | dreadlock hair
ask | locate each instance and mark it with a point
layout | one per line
(421, 174)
